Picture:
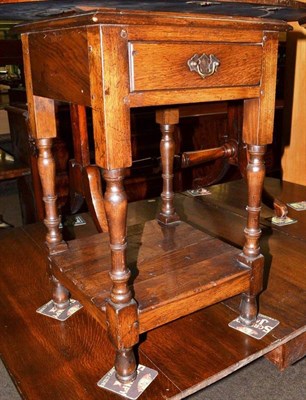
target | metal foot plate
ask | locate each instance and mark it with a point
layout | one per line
(260, 329)
(198, 192)
(132, 390)
(51, 311)
(280, 221)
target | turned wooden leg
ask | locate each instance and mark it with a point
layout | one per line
(42, 125)
(46, 169)
(55, 244)
(251, 256)
(167, 119)
(121, 308)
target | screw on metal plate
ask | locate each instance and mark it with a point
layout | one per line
(50, 310)
(198, 192)
(131, 390)
(262, 326)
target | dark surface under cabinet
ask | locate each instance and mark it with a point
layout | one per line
(77, 353)
(278, 9)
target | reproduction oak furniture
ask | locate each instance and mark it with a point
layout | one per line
(113, 61)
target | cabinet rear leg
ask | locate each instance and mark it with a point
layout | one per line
(54, 241)
(167, 119)
(251, 251)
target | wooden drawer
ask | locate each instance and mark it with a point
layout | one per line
(160, 66)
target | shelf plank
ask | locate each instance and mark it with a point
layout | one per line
(175, 270)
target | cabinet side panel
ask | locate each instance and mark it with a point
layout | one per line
(59, 65)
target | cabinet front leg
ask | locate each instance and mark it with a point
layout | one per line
(251, 251)
(55, 244)
(121, 308)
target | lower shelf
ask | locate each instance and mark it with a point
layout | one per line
(176, 270)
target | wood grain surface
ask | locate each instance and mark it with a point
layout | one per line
(175, 270)
(240, 65)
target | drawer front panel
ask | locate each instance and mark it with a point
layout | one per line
(163, 66)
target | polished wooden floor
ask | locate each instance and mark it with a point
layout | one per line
(51, 360)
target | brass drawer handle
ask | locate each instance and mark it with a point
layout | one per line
(204, 65)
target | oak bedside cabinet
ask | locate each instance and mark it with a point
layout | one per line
(112, 60)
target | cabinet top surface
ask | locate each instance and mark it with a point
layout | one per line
(272, 9)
